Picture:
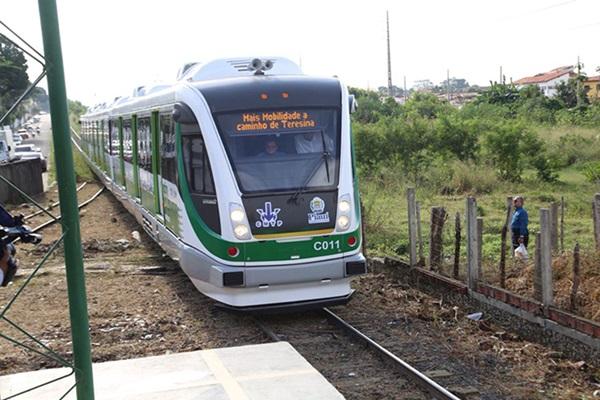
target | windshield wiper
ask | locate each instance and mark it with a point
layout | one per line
(324, 157)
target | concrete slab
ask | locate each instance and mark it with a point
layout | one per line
(265, 371)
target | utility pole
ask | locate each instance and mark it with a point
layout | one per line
(579, 99)
(65, 175)
(389, 54)
(448, 84)
(501, 77)
(405, 94)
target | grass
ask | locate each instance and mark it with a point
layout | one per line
(386, 214)
(82, 171)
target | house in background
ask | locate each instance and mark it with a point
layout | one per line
(547, 81)
(592, 88)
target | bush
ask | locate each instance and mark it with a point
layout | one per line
(591, 171)
(459, 177)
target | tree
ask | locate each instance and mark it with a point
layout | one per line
(568, 92)
(13, 73)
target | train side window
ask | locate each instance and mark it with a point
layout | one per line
(144, 144)
(168, 166)
(127, 143)
(114, 137)
(197, 164)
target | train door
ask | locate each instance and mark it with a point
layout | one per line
(121, 150)
(129, 157)
(112, 149)
(134, 160)
(168, 172)
(155, 145)
(144, 162)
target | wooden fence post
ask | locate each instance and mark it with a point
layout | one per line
(412, 226)
(562, 224)
(438, 217)
(480, 247)
(546, 257)
(596, 213)
(503, 242)
(472, 261)
(456, 246)
(510, 212)
(575, 286)
(420, 235)
(537, 270)
(554, 226)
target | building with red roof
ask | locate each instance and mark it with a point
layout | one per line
(547, 81)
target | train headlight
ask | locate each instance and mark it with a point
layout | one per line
(344, 206)
(239, 222)
(344, 212)
(237, 215)
(242, 231)
(343, 222)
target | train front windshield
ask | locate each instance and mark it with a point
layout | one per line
(278, 151)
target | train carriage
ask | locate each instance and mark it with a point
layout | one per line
(243, 172)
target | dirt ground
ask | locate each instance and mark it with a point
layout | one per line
(587, 303)
(433, 335)
(140, 304)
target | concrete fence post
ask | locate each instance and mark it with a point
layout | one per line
(472, 246)
(546, 257)
(480, 247)
(537, 270)
(562, 224)
(412, 225)
(420, 235)
(504, 234)
(554, 226)
(596, 214)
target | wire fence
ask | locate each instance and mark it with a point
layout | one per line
(467, 248)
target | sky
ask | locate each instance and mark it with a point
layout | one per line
(112, 46)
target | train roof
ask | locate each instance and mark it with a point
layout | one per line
(237, 77)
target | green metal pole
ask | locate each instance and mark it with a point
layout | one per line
(65, 176)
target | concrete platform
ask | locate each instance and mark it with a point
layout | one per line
(265, 371)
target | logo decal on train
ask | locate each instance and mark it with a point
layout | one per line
(269, 216)
(317, 206)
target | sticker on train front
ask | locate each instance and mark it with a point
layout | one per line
(269, 216)
(317, 206)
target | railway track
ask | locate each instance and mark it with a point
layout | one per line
(59, 217)
(412, 375)
(51, 206)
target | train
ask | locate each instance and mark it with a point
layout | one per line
(243, 171)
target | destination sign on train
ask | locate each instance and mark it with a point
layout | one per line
(266, 121)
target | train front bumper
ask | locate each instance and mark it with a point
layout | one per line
(312, 284)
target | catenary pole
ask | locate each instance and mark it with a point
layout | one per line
(65, 177)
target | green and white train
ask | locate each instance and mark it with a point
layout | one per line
(242, 171)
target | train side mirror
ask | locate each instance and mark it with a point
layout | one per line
(352, 104)
(183, 114)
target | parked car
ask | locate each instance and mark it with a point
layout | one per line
(17, 139)
(24, 148)
(23, 133)
(30, 155)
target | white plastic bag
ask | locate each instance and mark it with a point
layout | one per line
(521, 253)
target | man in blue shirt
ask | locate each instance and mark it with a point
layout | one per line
(518, 226)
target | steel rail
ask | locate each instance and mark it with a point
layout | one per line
(51, 206)
(85, 203)
(426, 383)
